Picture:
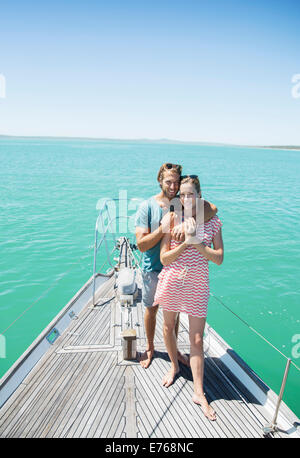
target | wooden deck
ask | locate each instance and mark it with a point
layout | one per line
(82, 388)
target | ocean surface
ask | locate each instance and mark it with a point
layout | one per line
(50, 193)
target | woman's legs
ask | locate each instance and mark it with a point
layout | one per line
(171, 345)
(184, 359)
(197, 364)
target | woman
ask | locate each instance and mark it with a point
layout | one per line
(184, 284)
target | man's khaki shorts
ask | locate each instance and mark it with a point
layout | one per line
(150, 280)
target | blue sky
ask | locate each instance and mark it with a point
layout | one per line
(194, 70)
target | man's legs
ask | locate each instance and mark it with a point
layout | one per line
(150, 324)
(149, 284)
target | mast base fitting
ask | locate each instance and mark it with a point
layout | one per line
(269, 429)
(129, 344)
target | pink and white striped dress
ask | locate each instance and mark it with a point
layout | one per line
(183, 285)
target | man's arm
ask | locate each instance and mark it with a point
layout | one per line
(146, 239)
(210, 210)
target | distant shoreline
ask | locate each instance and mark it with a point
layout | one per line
(158, 140)
(281, 147)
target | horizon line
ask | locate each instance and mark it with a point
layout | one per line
(157, 140)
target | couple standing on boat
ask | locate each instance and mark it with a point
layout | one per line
(175, 269)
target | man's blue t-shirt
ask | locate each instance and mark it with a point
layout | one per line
(149, 215)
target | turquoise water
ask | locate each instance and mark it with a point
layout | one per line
(49, 192)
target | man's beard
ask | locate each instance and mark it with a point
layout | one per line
(167, 194)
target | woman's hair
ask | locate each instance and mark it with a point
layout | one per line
(168, 167)
(191, 179)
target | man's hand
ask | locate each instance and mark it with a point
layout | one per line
(167, 222)
(178, 233)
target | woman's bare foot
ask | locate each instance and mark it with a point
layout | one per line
(170, 376)
(206, 408)
(184, 359)
(146, 358)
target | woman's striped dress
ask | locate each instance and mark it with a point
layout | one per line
(183, 285)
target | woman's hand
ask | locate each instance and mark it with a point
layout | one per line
(190, 232)
(190, 226)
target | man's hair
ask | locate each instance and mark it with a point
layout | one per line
(169, 167)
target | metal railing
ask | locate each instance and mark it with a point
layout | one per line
(272, 427)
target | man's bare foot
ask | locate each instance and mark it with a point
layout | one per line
(170, 376)
(206, 408)
(184, 359)
(145, 358)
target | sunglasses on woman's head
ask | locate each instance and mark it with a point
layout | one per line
(189, 176)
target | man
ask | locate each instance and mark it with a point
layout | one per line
(150, 227)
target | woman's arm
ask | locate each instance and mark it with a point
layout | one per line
(215, 255)
(167, 256)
